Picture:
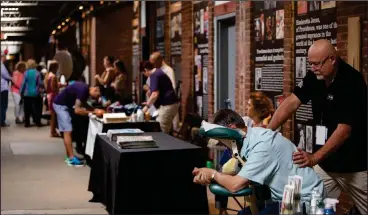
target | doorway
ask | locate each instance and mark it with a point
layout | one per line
(225, 58)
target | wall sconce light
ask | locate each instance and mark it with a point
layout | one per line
(81, 7)
(59, 27)
(67, 20)
(63, 23)
(54, 31)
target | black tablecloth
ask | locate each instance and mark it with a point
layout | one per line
(148, 181)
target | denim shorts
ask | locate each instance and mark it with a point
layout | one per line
(63, 117)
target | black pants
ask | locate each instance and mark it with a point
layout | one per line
(32, 107)
(4, 105)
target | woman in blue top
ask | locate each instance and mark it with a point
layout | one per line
(30, 92)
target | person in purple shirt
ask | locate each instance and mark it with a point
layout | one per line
(73, 98)
(163, 96)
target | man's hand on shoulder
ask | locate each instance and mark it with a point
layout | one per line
(303, 159)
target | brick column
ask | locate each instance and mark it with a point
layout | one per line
(210, 75)
(92, 64)
(167, 33)
(288, 82)
(187, 58)
(244, 59)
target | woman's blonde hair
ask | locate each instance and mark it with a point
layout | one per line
(31, 64)
(21, 65)
(262, 105)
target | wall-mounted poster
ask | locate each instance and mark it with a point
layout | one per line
(269, 48)
(175, 37)
(200, 27)
(313, 20)
(135, 48)
(160, 27)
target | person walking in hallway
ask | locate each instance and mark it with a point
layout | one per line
(18, 76)
(30, 92)
(339, 102)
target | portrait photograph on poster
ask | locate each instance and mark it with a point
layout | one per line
(301, 67)
(309, 139)
(328, 4)
(258, 78)
(301, 140)
(279, 24)
(314, 5)
(302, 7)
(270, 27)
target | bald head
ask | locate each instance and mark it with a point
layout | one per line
(156, 59)
(322, 58)
(323, 47)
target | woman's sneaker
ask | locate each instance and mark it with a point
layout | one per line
(75, 162)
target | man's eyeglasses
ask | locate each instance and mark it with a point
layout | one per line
(319, 64)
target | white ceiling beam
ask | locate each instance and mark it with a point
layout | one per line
(19, 28)
(18, 4)
(11, 42)
(14, 34)
(15, 19)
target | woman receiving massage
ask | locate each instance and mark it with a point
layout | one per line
(267, 153)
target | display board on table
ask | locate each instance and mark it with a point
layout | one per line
(200, 45)
(314, 20)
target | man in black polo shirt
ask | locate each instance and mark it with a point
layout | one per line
(339, 102)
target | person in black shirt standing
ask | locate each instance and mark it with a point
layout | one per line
(339, 103)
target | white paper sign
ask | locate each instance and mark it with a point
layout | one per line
(321, 135)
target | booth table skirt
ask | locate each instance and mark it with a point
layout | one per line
(148, 181)
(97, 126)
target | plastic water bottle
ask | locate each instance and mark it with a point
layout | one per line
(315, 201)
(330, 206)
(140, 115)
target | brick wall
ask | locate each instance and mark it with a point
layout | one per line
(210, 78)
(114, 37)
(288, 62)
(244, 60)
(167, 33)
(187, 58)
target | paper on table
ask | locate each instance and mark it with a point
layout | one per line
(209, 126)
(320, 135)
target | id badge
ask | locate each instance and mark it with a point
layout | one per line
(321, 135)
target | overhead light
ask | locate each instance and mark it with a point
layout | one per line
(63, 23)
(54, 31)
(5, 36)
(15, 28)
(81, 7)
(15, 19)
(67, 20)
(10, 9)
(13, 34)
(101, 2)
(59, 27)
(17, 3)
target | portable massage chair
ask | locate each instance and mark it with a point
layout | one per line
(233, 140)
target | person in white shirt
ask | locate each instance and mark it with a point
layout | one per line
(64, 58)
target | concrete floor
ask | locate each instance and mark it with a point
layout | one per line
(35, 179)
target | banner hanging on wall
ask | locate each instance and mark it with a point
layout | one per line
(175, 38)
(313, 20)
(160, 27)
(269, 49)
(200, 27)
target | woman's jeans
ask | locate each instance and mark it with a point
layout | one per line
(18, 108)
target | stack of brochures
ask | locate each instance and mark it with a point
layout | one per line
(112, 134)
(136, 142)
